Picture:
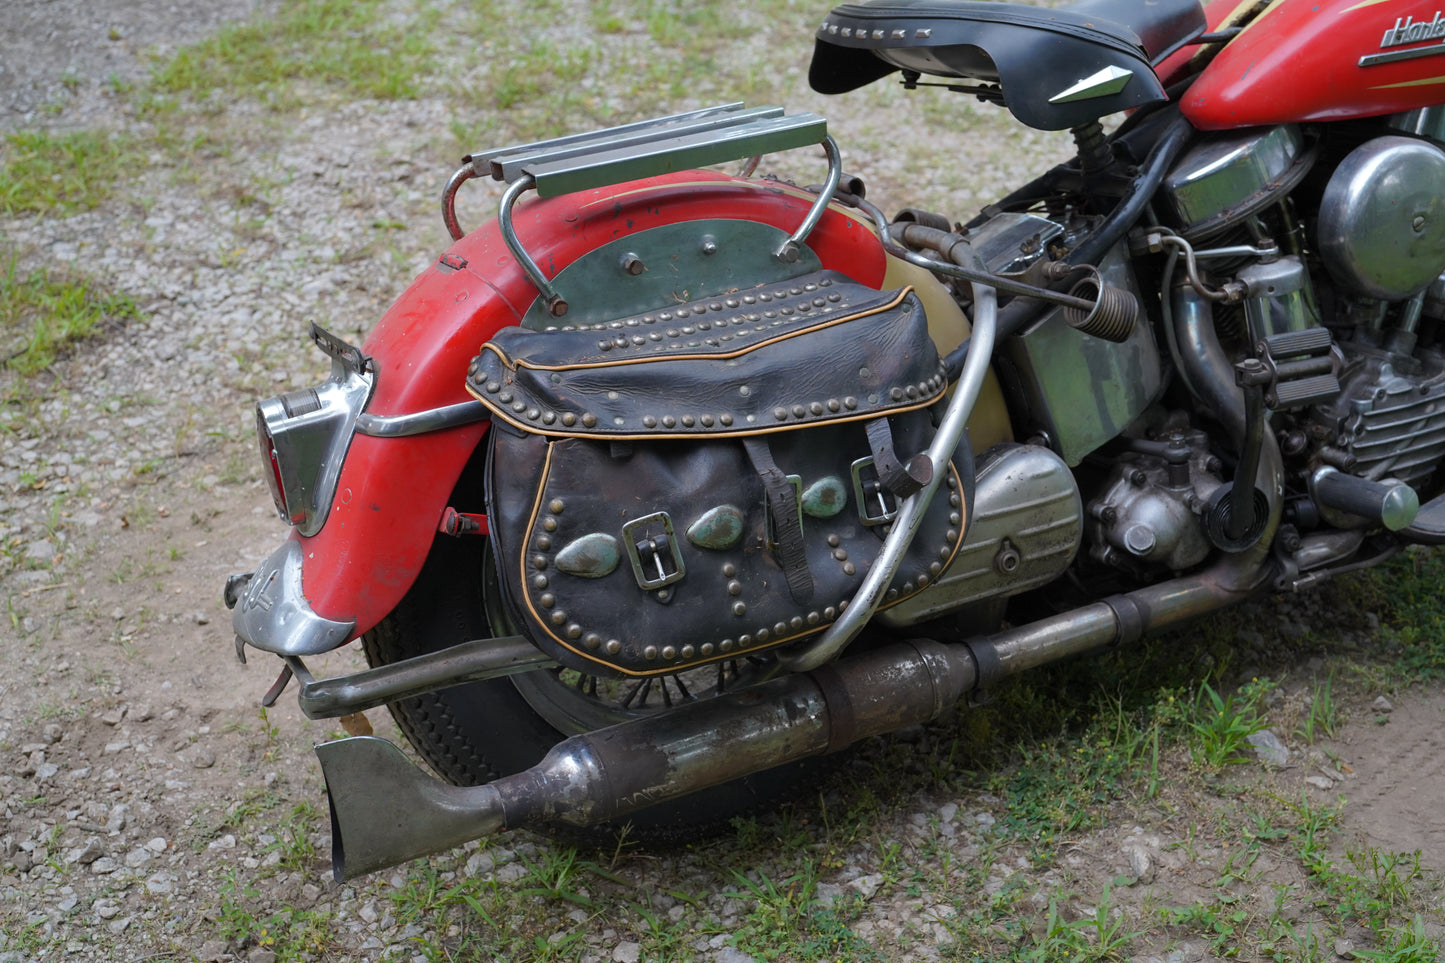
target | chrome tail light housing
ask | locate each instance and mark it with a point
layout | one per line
(304, 434)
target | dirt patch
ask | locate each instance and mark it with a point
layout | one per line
(1397, 753)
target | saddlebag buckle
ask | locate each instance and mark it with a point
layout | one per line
(656, 561)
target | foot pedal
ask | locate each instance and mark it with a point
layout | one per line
(1304, 368)
(1390, 503)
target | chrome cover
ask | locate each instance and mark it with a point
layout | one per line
(274, 616)
(1149, 512)
(1104, 83)
(311, 430)
(1382, 218)
(1277, 297)
(1231, 175)
(1027, 524)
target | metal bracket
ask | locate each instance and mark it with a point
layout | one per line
(698, 138)
(463, 523)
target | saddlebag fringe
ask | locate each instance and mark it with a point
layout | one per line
(707, 482)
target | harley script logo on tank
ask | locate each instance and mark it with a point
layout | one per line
(1408, 30)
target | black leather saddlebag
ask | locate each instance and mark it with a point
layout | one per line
(713, 480)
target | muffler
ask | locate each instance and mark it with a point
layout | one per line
(385, 811)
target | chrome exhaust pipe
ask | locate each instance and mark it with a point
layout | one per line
(385, 811)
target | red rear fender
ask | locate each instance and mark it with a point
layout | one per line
(392, 491)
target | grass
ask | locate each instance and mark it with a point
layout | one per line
(1059, 761)
(786, 913)
(288, 933)
(1095, 936)
(1371, 892)
(1223, 724)
(1322, 718)
(44, 312)
(352, 46)
(48, 172)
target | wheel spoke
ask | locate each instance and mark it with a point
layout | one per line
(591, 701)
(682, 689)
(637, 696)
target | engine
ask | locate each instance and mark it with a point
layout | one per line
(1341, 312)
(1310, 264)
(1342, 309)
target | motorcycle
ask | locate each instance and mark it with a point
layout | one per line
(667, 482)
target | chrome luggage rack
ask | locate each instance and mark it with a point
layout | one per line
(696, 138)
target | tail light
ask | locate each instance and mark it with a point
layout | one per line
(273, 477)
(304, 436)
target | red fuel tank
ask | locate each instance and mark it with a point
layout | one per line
(1303, 60)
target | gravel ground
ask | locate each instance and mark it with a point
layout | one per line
(69, 51)
(148, 805)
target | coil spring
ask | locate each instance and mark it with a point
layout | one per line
(1115, 312)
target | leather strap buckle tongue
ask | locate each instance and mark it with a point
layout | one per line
(787, 528)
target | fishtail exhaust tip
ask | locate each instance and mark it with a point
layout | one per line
(385, 810)
(338, 851)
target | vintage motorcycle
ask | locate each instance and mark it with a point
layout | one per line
(668, 482)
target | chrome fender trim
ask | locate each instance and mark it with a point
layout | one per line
(273, 615)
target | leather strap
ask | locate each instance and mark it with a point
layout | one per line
(787, 529)
(902, 480)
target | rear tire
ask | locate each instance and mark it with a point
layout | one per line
(473, 733)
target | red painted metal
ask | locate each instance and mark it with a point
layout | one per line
(1301, 61)
(393, 491)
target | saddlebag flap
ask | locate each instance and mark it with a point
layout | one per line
(712, 480)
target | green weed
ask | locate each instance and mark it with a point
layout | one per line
(289, 933)
(1223, 724)
(784, 914)
(1372, 890)
(1322, 716)
(1222, 921)
(1096, 936)
(44, 172)
(1409, 944)
(44, 312)
(293, 834)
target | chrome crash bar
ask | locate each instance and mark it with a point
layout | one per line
(910, 515)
